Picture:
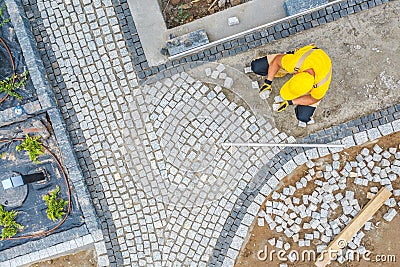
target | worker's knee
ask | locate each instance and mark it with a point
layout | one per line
(304, 113)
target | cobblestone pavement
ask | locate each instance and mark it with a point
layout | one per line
(86, 57)
(194, 181)
(163, 187)
(159, 205)
(183, 123)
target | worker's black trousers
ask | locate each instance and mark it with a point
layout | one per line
(304, 113)
(260, 66)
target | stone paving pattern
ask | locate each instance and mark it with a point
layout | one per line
(75, 58)
(197, 197)
(105, 112)
(92, 54)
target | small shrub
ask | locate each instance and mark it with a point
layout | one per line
(11, 84)
(182, 15)
(8, 223)
(4, 21)
(8, 232)
(32, 146)
(55, 204)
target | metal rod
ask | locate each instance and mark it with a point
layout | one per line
(283, 145)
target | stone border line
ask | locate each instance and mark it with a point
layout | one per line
(38, 249)
(352, 133)
(279, 30)
(75, 133)
(75, 238)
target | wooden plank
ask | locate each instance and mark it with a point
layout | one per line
(354, 226)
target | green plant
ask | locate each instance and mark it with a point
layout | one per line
(7, 221)
(182, 15)
(2, 155)
(11, 84)
(55, 204)
(1, 15)
(8, 232)
(32, 146)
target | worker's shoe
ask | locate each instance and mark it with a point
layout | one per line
(312, 121)
(266, 89)
(302, 124)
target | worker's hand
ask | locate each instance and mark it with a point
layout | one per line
(265, 89)
(284, 105)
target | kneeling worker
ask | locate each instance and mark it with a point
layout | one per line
(312, 69)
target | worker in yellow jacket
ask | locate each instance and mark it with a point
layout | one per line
(312, 69)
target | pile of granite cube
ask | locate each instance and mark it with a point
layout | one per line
(318, 217)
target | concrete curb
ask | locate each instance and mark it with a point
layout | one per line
(243, 42)
(39, 249)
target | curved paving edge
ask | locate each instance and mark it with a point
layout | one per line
(353, 133)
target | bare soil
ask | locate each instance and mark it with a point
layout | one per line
(86, 258)
(383, 239)
(179, 12)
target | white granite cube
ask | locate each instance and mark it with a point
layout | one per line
(288, 232)
(391, 202)
(272, 241)
(377, 149)
(386, 154)
(321, 248)
(325, 239)
(286, 247)
(247, 70)
(316, 234)
(279, 243)
(295, 238)
(309, 236)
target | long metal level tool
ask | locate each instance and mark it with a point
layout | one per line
(281, 145)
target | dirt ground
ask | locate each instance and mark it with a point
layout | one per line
(381, 240)
(179, 12)
(364, 49)
(86, 258)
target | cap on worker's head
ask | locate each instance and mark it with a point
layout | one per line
(300, 84)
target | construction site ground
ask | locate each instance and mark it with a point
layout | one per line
(85, 258)
(362, 48)
(380, 241)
